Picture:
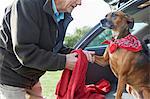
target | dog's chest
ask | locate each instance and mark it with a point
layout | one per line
(115, 60)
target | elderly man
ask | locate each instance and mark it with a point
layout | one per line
(31, 43)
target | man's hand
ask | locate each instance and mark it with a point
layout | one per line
(71, 59)
(89, 55)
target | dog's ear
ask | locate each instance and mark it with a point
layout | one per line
(130, 21)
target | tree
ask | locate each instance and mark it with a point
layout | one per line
(71, 39)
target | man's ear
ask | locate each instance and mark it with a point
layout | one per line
(130, 21)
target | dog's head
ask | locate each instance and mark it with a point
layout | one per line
(118, 21)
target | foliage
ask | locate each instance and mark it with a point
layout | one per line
(49, 81)
(71, 39)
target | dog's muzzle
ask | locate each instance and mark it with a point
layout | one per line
(107, 24)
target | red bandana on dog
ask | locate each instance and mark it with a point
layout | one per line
(129, 42)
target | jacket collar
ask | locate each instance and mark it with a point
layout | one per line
(48, 9)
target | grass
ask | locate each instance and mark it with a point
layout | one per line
(49, 81)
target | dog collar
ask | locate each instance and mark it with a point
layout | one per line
(129, 42)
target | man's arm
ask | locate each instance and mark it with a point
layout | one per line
(25, 38)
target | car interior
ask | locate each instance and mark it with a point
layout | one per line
(140, 11)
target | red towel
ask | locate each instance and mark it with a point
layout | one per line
(129, 42)
(72, 83)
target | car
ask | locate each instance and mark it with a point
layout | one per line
(91, 41)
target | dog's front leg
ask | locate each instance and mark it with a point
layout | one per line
(100, 60)
(120, 86)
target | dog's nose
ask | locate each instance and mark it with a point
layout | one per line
(103, 21)
(107, 23)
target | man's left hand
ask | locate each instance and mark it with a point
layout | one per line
(89, 55)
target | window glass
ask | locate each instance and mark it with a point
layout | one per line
(105, 35)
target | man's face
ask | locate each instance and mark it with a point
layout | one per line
(66, 5)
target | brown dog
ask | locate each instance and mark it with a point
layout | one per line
(131, 68)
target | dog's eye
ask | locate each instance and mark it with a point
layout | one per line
(113, 15)
(106, 15)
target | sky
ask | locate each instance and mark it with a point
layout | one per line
(88, 13)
